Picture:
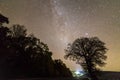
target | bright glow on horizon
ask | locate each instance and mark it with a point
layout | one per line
(77, 72)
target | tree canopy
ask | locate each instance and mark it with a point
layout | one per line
(3, 19)
(25, 55)
(89, 53)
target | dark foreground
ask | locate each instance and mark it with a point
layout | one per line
(43, 79)
(60, 79)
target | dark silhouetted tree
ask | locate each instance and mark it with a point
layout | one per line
(61, 69)
(32, 57)
(18, 30)
(25, 55)
(3, 19)
(89, 53)
(4, 44)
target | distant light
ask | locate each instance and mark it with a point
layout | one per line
(77, 72)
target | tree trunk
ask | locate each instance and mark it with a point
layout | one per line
(89, 69)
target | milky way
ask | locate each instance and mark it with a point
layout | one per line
(58, 22)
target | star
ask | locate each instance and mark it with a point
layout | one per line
(86, 34)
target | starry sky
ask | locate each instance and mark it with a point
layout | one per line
(59, 22)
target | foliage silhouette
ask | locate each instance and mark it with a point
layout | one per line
(3, 19)
(25, 55)
(61, 68)
(89, 53)
(18, 30)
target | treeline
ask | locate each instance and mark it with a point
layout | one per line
(23, 55)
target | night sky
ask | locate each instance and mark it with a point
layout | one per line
(59, 22)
